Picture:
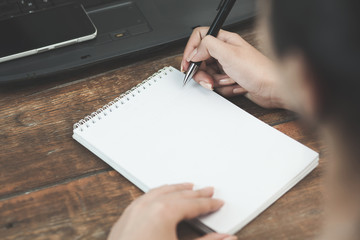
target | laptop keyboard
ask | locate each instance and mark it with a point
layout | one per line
(13, 8)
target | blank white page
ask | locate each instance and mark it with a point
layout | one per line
(169, 133)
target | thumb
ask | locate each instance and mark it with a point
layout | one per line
(217, 236)
(213, 47)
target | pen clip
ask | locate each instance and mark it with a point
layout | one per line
(221, 4)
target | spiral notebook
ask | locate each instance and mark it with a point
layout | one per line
(161, 132)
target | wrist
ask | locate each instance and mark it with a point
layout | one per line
(277, 96)
(277, 100)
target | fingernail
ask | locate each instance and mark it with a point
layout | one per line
(238, 90)
(182, 68)
(192, 55)
(225, 81)
(231, 238)
(188, 184)
(221, 202)
(206, 85)
(208, 189)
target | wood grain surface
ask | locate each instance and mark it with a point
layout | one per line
(53, 188)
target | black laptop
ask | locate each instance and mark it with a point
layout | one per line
(123, 28)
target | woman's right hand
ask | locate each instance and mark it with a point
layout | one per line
(231, 66)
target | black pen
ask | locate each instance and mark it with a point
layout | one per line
(224, 9)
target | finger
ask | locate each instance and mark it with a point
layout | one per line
(219, 77)
(198, 34)
(225, 82)
(213, 47)
(195, 38)
(222, 80)
(218, 80)
(171, 188)
(230, 91)
(204, 79)
(212, 81)
(200, 206)
(207, 192)
(215, 236)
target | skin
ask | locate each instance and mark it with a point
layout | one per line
(157, 213)
(231, 67)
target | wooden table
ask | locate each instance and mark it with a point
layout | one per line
(53, 188)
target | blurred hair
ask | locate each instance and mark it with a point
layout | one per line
(327, 33)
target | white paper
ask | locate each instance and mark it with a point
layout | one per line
(169, 133)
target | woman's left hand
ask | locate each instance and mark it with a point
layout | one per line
(156, 214)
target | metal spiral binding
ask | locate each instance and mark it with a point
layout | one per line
(117, 102)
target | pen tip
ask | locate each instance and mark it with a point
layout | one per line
(185, 81)
(186, 77)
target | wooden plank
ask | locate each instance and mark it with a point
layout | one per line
(297, 215)
(81, 209)
(86, 208)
